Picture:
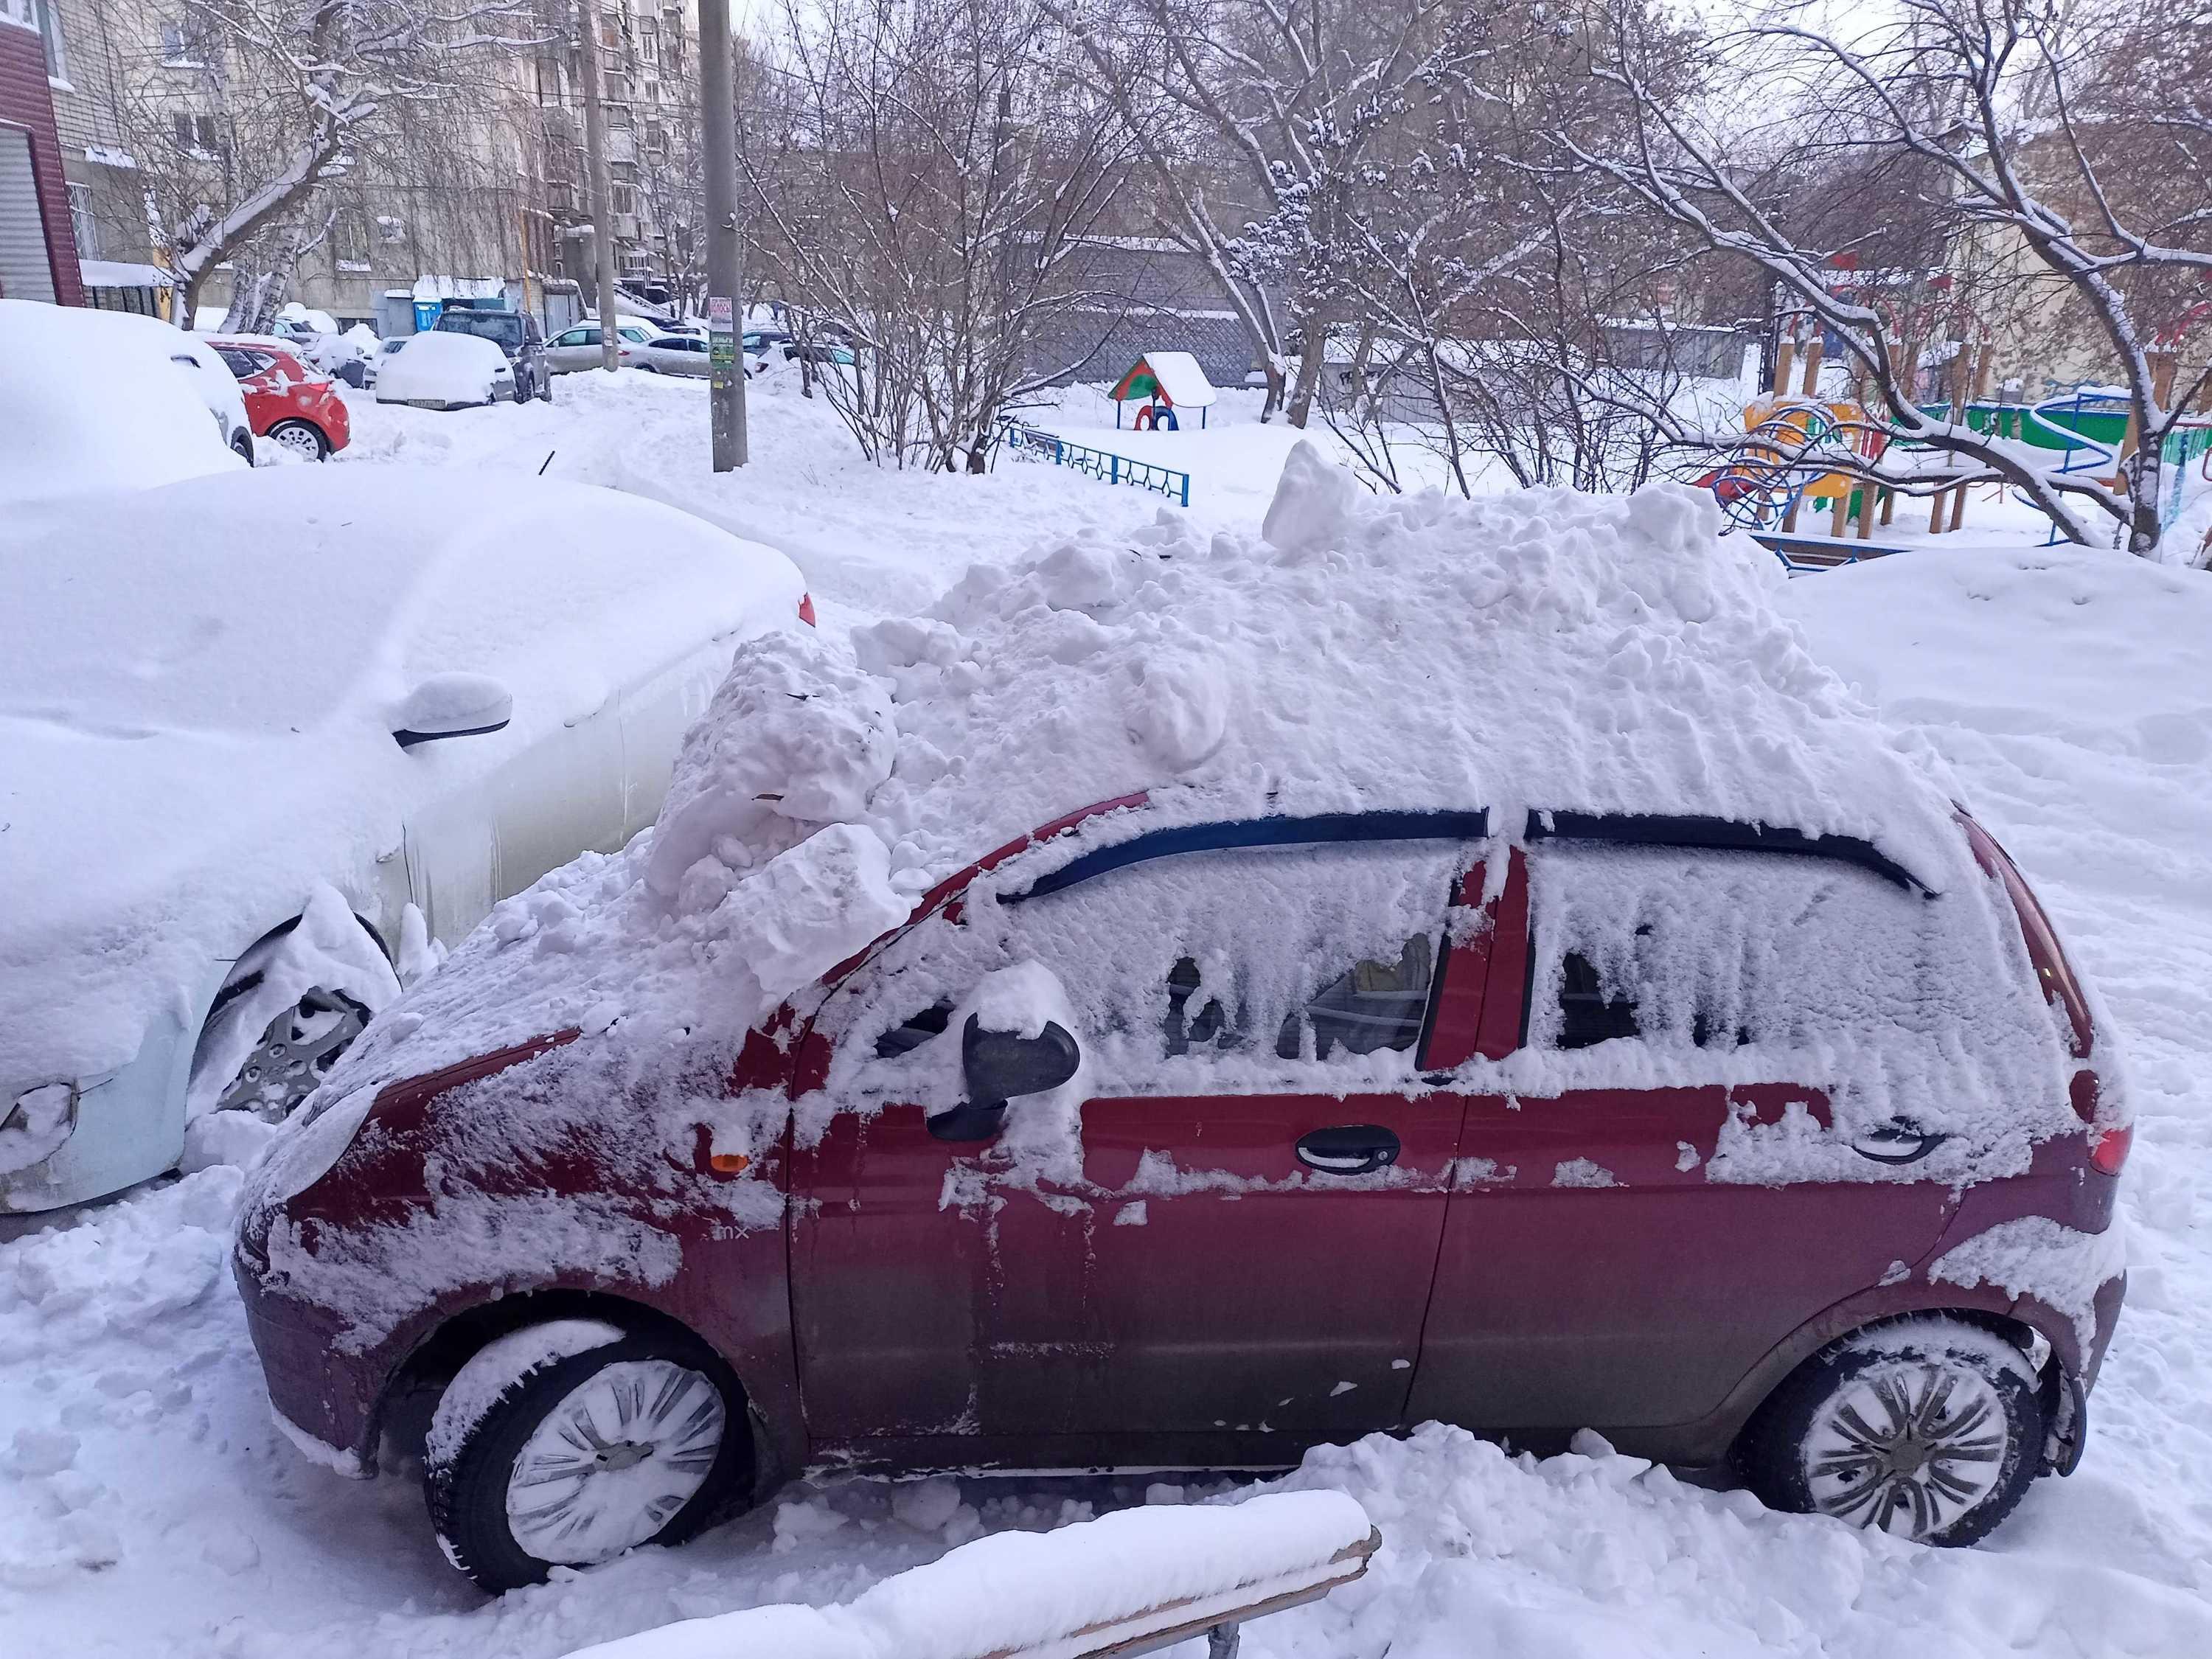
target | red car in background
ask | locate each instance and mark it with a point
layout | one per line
(286, 400)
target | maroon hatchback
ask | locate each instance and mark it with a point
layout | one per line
(1152, 1142)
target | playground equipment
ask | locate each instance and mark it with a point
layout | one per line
(1166, 381)
(1031, 443)
(1792, 445)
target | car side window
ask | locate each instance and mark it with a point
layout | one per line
(1694, 950)
(1240, 970)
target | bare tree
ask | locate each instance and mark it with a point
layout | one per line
(258, 105)
(925, 173)
(1984, 98)
(1257, 121)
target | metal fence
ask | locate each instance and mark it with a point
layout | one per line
(1033, 443)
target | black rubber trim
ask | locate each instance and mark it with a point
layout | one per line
(1721, 834)
(407, 739)
(1260, 832)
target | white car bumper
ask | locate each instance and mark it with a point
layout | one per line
(129, 1127)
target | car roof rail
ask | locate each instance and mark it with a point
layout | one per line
(1691, 830)
(1258, 832)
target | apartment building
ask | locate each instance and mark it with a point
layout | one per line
(38, 251)
(648, 61)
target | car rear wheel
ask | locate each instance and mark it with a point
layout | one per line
(241, 445)
(585, 1457)
(1926, 1427)
(303, 438)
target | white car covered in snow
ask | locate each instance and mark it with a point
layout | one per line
(436, 369)
(267, 740)
(93, 400)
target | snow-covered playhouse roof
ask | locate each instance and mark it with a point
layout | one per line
(1173, 377)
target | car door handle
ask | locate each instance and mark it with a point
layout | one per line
(1349, 1149)
(1900, 1140)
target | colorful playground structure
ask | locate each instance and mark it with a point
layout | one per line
(1160, 384)
(1796, 442)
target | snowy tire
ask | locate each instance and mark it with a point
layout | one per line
(303, 438)
(585, 1457)
(1927, 1427)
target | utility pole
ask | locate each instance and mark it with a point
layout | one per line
(603, 190)
(718, 113)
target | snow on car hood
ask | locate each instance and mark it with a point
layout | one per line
(196, 710)
(1542, 650)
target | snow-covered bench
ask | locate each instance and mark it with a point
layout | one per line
(1133, 1581)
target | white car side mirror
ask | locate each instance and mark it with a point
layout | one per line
(452, 706)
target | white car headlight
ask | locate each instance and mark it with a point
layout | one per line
(34, 1128)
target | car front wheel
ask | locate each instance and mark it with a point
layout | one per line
(303, 438)
(241, 445)
(1926, 1427)
(580, 1457)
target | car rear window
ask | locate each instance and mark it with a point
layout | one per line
(502, 329)
(1699, 950)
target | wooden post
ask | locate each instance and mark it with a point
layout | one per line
(1811, 384)
(1839, 512)
(1889, 505)
(1979, 389)
(1785, 360)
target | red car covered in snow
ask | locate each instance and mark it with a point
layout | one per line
(1384, 1117)
(287, 400)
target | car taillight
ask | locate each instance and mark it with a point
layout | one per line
(2108, 1149)
(806, 609)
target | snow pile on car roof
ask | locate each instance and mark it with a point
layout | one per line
(1546, 650)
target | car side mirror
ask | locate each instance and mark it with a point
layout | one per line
(999, 1066)
(451, 706)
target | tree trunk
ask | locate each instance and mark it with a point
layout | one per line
(1309, 365)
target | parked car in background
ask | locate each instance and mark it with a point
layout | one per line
(517, 334)
(289, 401)
(372, 365)
(302, 725)
(108, 400)
(830, 352)
(579, 348)
(446, 369)
(756, 341)
(668, 354)
(209, 376)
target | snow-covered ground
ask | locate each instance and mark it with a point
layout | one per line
(148, 1507)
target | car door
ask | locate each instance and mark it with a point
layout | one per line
(1226, 1238)
(1659, 1202)
(574, 349)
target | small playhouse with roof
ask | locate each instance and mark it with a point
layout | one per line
(1163, 383)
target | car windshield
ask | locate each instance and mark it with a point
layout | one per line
(503, 328)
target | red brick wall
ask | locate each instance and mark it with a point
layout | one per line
(27, 101)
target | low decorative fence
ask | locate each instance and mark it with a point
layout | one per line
(1033, 443)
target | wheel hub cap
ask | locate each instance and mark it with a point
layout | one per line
(1908, 1447)
(299, 1046)
(614, 1461)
